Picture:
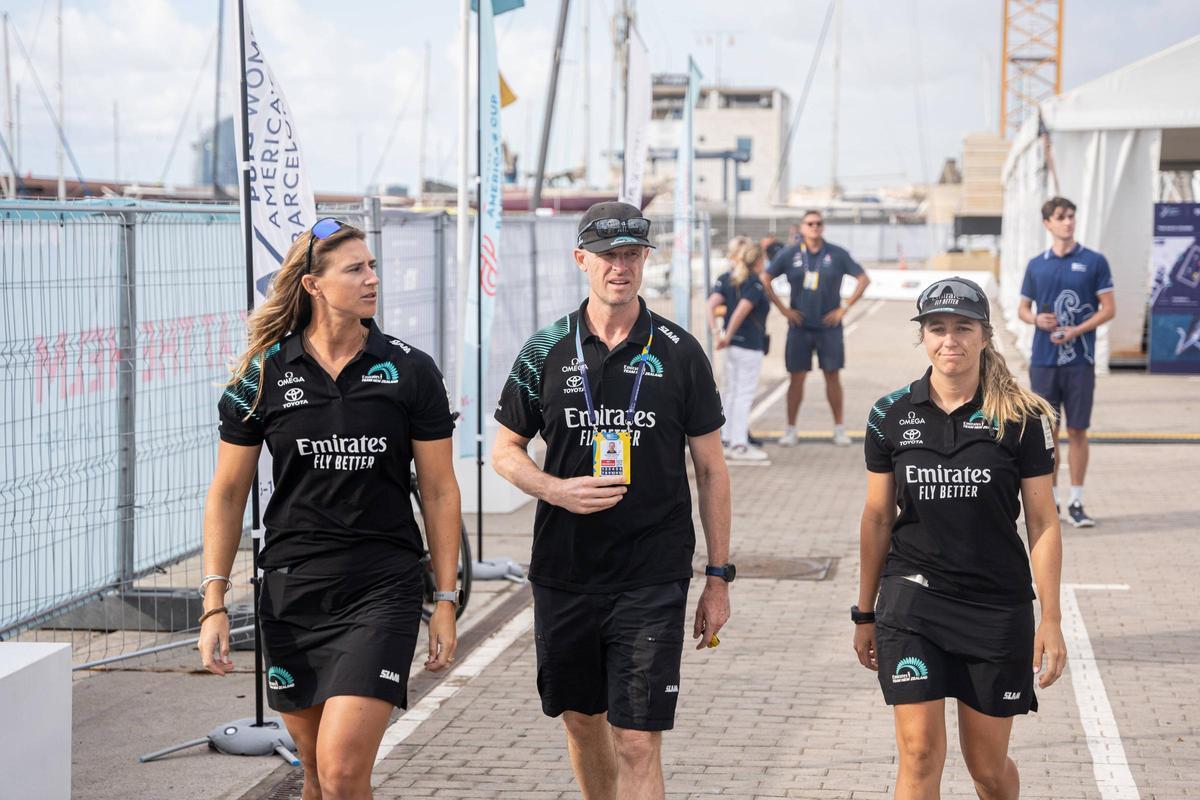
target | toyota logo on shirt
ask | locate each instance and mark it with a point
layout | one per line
(294, 397)
(911, 436)
(574, 384)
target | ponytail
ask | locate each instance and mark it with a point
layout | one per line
(1005, 400)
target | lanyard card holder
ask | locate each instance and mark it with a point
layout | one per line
(610, 455)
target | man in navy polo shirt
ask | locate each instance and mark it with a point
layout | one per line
(814, 269)
(1067, 293)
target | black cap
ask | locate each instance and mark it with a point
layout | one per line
(953, 296)
(592, 241)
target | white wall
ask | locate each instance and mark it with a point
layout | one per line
(35, 706)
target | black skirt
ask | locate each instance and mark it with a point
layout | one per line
(348, 633)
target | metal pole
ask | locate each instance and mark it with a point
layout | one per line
(216, 129)
(116, 144)
(248, 239)
(533, 270)
(479, 279)
(464, 117)
(536, 198)
(127, 399)
(8, 110)
(375, 236)
(706, 260)
(421, 141)
(587, 93)
(837, 91)
(624, 95)
(439, 286)
(62, 122)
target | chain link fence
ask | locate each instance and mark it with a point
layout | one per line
(120, 319)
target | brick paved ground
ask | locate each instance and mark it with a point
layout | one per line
(792, 713)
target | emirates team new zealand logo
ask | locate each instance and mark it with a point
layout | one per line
(383, 372)
(279, 678)
(653, 365)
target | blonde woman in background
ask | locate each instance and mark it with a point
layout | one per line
(345, 410)
(945, 604)
(744, 339)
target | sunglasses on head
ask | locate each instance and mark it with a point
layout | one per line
(611, 228)
(321, 229)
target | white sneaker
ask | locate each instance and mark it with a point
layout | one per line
(788, 439)
(744, 452)
(841, 438)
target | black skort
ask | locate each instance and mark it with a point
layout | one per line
(616, 652)
(352, 632)
(931, 646)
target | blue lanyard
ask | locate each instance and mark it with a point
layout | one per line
(816, 263)
(593, 417)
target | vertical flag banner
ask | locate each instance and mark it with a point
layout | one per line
(637, 121)
(685, 204)
(280, 203)
(481, 289)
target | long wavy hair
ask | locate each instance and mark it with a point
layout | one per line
(1004, 400)
(743, 263)
(288, 306)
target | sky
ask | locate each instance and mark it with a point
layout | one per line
(916, 75)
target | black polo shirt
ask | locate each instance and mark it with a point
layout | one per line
(647, 537)
(341, 450)
(958, 490)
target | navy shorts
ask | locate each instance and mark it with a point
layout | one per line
(617, 652)
(828, 344)
(1067, 389)
(931, 646)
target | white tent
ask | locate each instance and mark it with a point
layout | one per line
(1110, 138)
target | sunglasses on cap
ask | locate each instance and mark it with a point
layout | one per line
(611, 228)
(321, 229)
(955, 287)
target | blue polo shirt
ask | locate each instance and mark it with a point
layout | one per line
(750, 333)
(1069, 287)
(827, 266)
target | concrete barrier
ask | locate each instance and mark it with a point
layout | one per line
(35, 703)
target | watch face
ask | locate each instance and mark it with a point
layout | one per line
(730, 572)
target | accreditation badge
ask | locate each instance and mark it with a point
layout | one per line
(610, 455)
(812, 278)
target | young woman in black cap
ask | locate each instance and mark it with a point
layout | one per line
(945, 603)
(345, 411)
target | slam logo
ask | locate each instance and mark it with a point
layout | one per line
(653, 365)
(910, 669)
(383, 372)
(279, 678)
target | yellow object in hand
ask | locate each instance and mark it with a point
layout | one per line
(714, 641)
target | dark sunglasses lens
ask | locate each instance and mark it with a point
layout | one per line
(637, 227)
(326, 228)
(608, 228)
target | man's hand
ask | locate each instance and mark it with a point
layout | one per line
(1048, 644)
(834, 318)
(1046, 321)
(712, 611)
(587, 495)
(443, 638)
(722, 342)
(794, 316)
(214, 644)
(1064, 335)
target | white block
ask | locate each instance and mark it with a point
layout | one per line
(35, 704)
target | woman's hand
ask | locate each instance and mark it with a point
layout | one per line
(443, 637)
(722, 342)
(864, 645)
(214, 644)
(1050, 652)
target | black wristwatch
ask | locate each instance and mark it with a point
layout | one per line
(726, 571)
(861, 617)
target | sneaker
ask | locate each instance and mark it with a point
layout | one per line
(754, 441)
(1079, 517)
(743, 452)
(788, 439)
(841, 438)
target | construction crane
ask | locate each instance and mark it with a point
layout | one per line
(1031, 59)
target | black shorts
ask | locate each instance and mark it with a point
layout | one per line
(618, 653)
(1067, 389)
(353, 633)
(931, 646)
(828, 343)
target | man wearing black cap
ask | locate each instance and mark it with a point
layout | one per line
(616, 391)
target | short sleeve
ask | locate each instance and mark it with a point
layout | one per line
(779, 263)
(850, 266)
(702, 402)
(241, 417)
(876, 448)
(1036, 453)
(1028, 286)
(753, 291)
(428, 406)
(719, 286)
(1104, 281)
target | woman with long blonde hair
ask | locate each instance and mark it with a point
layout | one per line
(744, 338)
(345, 411)
(945, 599)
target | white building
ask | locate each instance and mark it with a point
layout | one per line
(739, 134)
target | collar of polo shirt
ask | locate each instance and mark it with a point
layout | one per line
(640, 333)
(920, 393)
(376, 345)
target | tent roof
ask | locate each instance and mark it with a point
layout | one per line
(1159, 91)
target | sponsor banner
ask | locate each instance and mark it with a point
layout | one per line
(1175, 293)
(637, 121)
(481, 286)
(280, 204)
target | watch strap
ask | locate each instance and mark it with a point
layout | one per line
(454, 597)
